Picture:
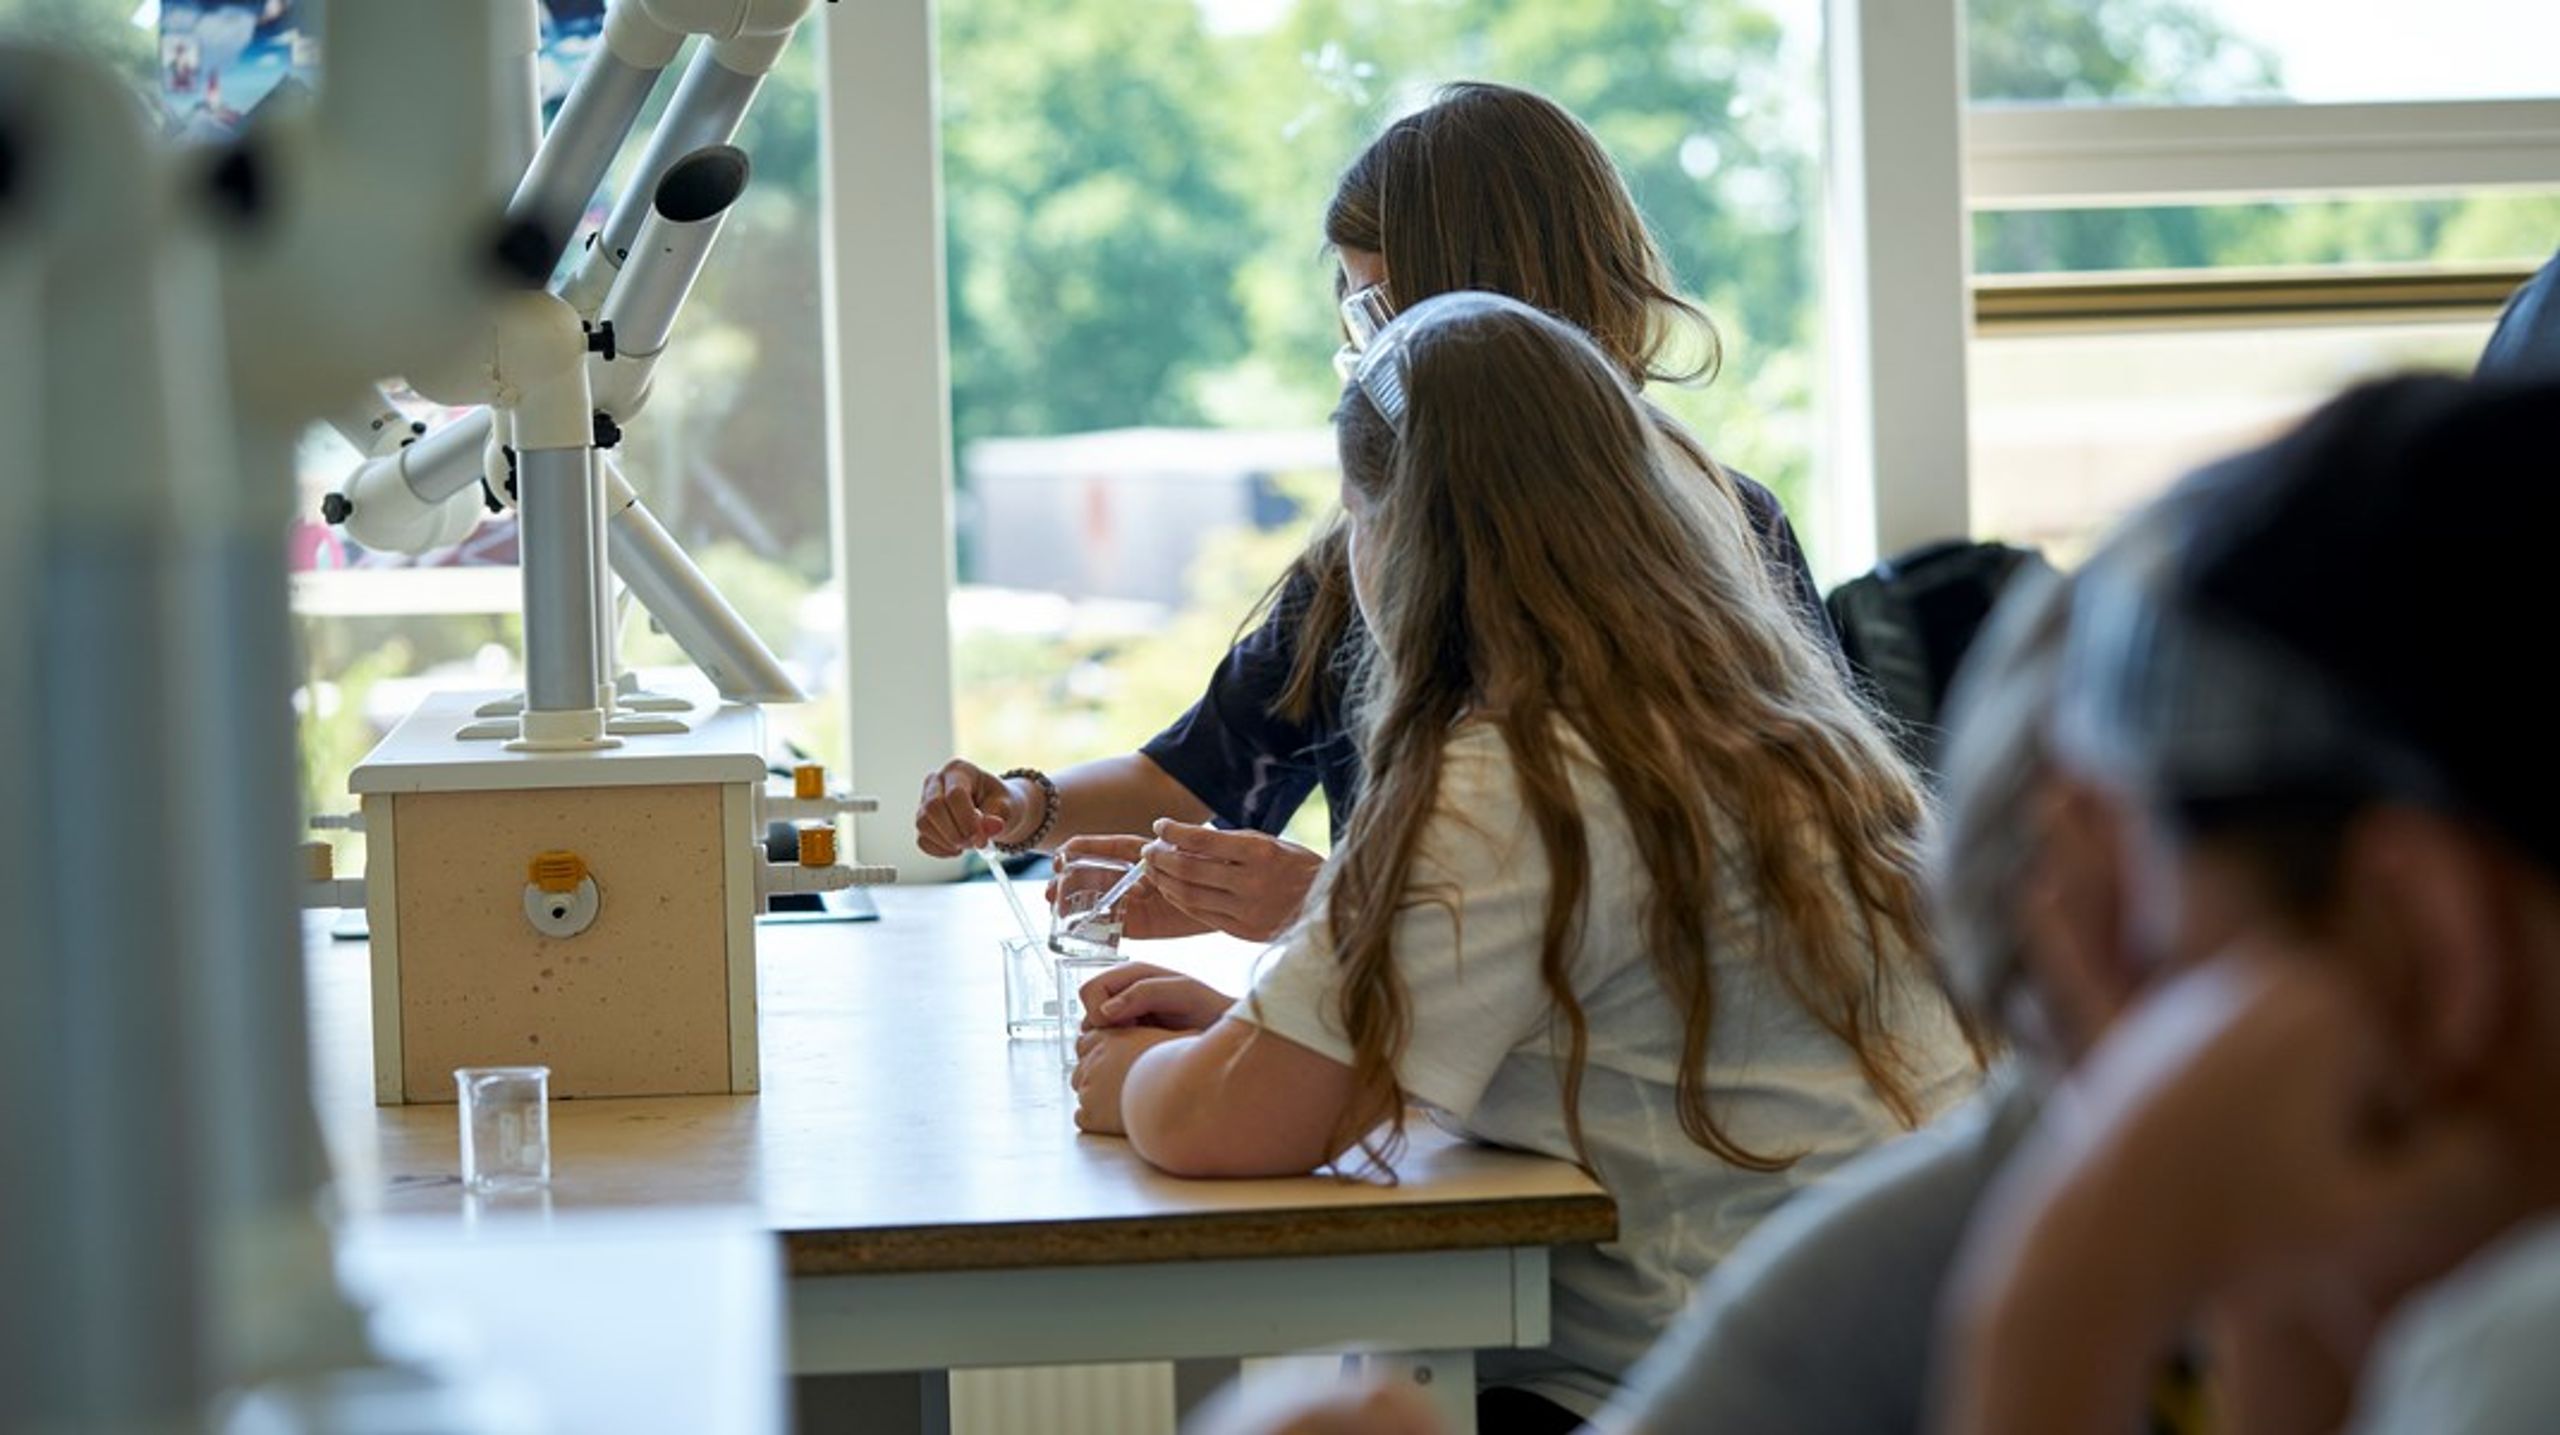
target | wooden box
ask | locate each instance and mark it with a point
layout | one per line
(480, 862)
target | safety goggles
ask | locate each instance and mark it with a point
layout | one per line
(1365, 314)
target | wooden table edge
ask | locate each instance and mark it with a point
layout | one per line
(1205, 1236)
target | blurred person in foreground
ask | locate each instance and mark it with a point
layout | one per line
(2344, 1126)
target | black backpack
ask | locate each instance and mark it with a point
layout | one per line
(1906, 626)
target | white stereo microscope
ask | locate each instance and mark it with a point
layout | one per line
(571, 875)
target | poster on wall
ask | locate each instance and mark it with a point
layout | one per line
(571, 30)
(221, 60)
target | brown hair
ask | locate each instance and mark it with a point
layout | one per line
(1648, 626)
(1499, 189)
(1495, 188)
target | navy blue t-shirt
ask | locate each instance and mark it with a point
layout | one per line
(1253, 768)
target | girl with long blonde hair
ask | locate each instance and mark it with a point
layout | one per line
(1635, 880)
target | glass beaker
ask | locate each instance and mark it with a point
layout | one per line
(506, 1126)
(1030, 988)
(1075, 929)
(1073, 973)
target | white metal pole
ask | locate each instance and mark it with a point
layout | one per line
(519, 94)
(30, 1010)
(602, 105)
(709, 103)
(105, 1235)
(686, 604)
(1896, 276)
(889, 406)
(555, 501)
(297, 321)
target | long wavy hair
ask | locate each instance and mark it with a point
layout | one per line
(1532, 562)
(1502, 190)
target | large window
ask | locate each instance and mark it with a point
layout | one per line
(2174, 258)
(1140, 309)
(1142, 312)
(2072, 430)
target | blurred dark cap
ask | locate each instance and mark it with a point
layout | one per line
(2404, 544)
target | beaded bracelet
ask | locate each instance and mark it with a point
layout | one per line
(1048, 811)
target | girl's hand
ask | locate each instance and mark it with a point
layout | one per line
(1145, 914)
(1246, 884)
(1143, 994)
(1103, 1059)
(963, 806)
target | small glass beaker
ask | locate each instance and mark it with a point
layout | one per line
(1030, 988)
(506, 1126)
(1073, 973)
(1075, 930)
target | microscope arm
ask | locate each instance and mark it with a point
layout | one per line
(654, 567)
(635, 280)
(415, 499)
(710, 102)
(686, 211)
(603, 105)
(373, 425)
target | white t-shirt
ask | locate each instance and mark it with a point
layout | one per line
(1480, 1056)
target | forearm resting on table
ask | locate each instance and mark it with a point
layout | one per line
(1110, 796)
(1235, 1101)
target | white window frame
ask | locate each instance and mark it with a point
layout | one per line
(2042, 157)
(888, 408)
(1897, 262)
(2026, 157)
